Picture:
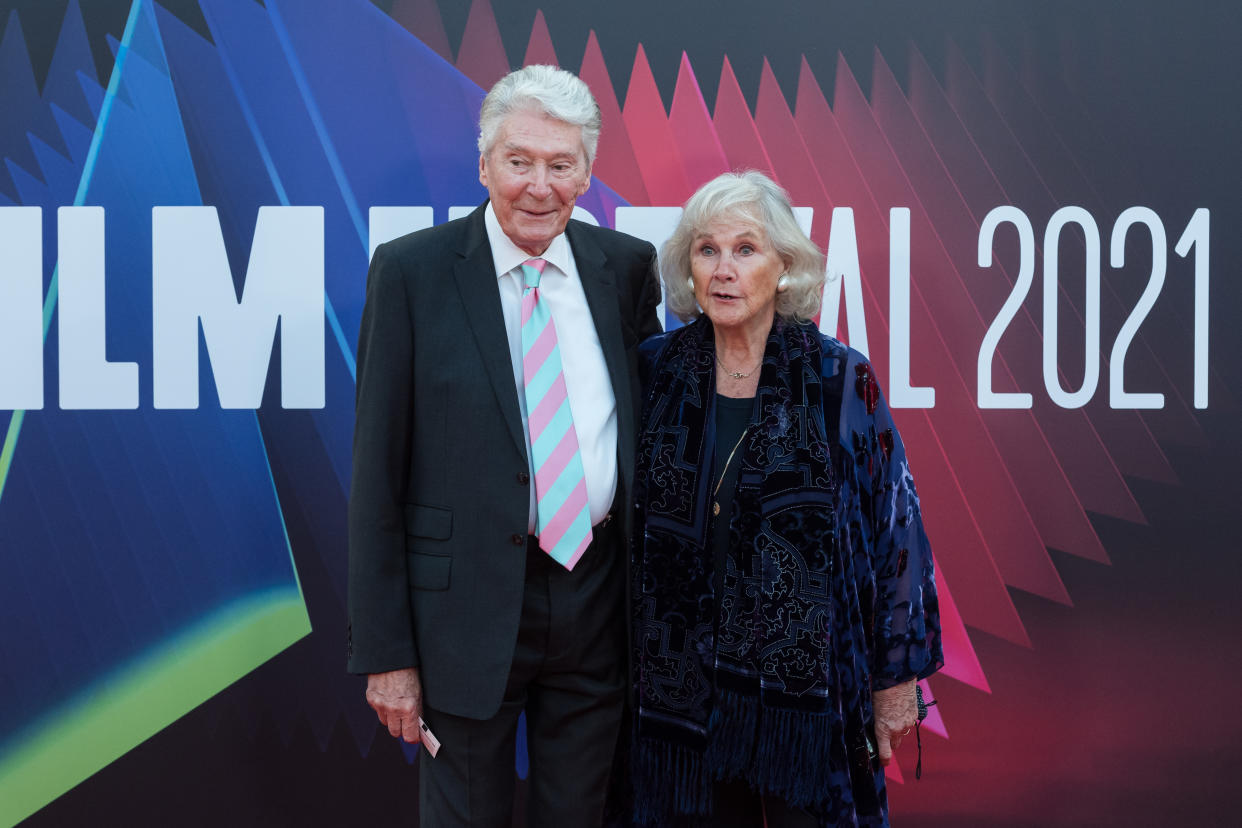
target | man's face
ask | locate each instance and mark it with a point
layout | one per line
(535, 171)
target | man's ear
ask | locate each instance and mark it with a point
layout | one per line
(482, 170)
(586, 182)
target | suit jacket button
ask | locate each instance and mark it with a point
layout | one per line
(518, 540)
(523, 478)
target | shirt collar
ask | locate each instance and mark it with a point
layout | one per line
(507, 256)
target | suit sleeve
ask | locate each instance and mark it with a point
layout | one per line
(647, 298)
(906, 611)
(381, 632)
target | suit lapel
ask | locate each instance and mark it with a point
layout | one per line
(599, 285)
(475, 273)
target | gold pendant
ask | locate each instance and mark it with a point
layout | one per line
(715, 508)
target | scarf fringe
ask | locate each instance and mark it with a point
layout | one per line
(669, 779)
(780, 752)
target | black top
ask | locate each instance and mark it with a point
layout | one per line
(732, 417)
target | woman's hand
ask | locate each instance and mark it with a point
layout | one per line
(896, 711)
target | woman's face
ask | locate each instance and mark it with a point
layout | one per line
(735, 269)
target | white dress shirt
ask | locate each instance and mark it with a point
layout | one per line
(587, 382)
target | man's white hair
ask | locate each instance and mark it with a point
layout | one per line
(554, 92)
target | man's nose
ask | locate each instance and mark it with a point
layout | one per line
(541, 181)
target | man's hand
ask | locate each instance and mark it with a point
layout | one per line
(896, 711)
(397, 698)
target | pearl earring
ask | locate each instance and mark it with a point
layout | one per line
(690, 283)
(782, 284)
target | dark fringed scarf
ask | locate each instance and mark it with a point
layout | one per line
(745, 687)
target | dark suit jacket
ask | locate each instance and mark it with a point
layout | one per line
(440, 496)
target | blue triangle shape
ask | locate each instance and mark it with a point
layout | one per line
(72, 56)
(59, 172)
(93, 93)
(77, 135)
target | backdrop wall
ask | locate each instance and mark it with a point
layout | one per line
(1031, 217)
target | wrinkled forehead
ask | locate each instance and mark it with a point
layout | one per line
(530, 129)
(732, 221)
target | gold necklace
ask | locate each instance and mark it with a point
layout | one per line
(725, 470)
(737, 374)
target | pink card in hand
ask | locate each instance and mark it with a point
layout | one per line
(429, 739)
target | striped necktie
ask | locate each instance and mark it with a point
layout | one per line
(563, 523)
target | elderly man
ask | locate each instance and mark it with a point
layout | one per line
(496, 410)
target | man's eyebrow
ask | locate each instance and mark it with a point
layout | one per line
(521, 149)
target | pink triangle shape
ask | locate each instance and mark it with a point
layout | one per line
(540, 50)
(783, 142)
(481, 56)
(615, 163)
(693, 130)
(738, 136)
(421, 18)
(653, 142)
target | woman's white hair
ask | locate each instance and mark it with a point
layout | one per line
(752, 197)
(554, 92)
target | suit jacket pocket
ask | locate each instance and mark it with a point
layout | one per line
(424, 521)
(429, 571)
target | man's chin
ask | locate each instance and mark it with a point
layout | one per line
(537, 234)
(540, 224)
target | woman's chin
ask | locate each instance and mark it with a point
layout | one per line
(734, 318)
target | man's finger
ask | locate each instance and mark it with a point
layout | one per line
(394, 726)
(410, 731)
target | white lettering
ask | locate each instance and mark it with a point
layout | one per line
(1005, 214)
(1196, 237)
(21, 308)
(191, 283)
(87, 379)
(388, 223)
(1118, 396)
(652, 224)
(900, 393)
(845, 273)
(1090, 312)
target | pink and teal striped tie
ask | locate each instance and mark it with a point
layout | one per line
(563, 522)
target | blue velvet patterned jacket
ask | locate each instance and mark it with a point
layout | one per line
(828, 594)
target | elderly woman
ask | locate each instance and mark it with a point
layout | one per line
(784, 600)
